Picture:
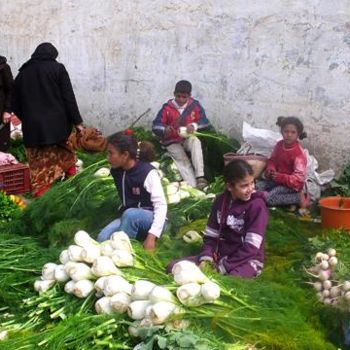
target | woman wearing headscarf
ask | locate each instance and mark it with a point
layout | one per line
(6, 85)
(44, 101)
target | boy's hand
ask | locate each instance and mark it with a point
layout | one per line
(150, 242)
(168, 131)
(190, 129)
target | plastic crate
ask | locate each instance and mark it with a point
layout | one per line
(15, 178)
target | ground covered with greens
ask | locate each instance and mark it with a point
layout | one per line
(278, 310)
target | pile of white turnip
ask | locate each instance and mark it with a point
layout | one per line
(329, 291)
(177, 190)
(91, 267)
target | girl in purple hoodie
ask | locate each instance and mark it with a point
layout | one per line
(234, 235)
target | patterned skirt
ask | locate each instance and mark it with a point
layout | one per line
(48, 164)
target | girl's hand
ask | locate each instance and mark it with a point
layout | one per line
(270, 173)
(274, 175)
(150, 242)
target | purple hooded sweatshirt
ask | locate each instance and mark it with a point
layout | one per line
(234, 235)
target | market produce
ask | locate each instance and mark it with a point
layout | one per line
(330, 292)
(275, 310)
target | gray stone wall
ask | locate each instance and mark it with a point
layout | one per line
(248, 60)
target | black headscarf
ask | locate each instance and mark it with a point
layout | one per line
(45, 51)
(3, 61)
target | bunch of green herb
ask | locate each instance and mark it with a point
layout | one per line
(342, 184)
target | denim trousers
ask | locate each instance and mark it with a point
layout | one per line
(135, 222)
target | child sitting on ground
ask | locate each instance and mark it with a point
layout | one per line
(175, 124)
(286, 169)
(139, 187)
(234, 235)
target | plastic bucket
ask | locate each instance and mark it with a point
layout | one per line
(335, 212)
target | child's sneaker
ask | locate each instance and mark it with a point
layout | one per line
(305, 201)
(201, 183)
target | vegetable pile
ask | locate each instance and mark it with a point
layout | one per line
(277, 310)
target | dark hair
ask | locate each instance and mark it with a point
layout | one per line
(237, 170)
(183, 87)
(283, 121)
(140, 150)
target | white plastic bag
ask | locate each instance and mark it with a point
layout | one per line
(261, 141)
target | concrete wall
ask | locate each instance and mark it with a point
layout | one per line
(248, 60)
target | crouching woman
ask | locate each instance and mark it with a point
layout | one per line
(234, 235)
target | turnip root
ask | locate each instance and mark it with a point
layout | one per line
(80, 271)
(325, 257)
(48, 271)
(116, 284)
(190, 294)
(161, 311)
(324, 265)
(326, 293)
(137, 309)
(104, 266)
(122, 258)
(346, 286)
(69, 287)
(327, 284)
(334, 291)
(141, 290)
(327, 301)
(83, 239)
(210, 291)
(60, 274)
(83, 288)
(103, 306)
(318, 256)
(161, 294)
(42, 286)
(333, 261)
(64, 257)
(183, 265)
(90, 253)
(99, 285)
(74, 252)
(317, 286)
(120, 302)
(106, 248)
(121, 241)
(331, 252)
(323, 275)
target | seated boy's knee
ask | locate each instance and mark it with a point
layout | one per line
(195, 141)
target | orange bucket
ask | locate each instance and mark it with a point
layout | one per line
(335, 212)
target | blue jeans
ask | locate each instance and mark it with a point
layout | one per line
(135, 222)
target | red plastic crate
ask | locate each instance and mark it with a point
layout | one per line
(15, 178)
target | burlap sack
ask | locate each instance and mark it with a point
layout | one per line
(257, 161)
(89, 140)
